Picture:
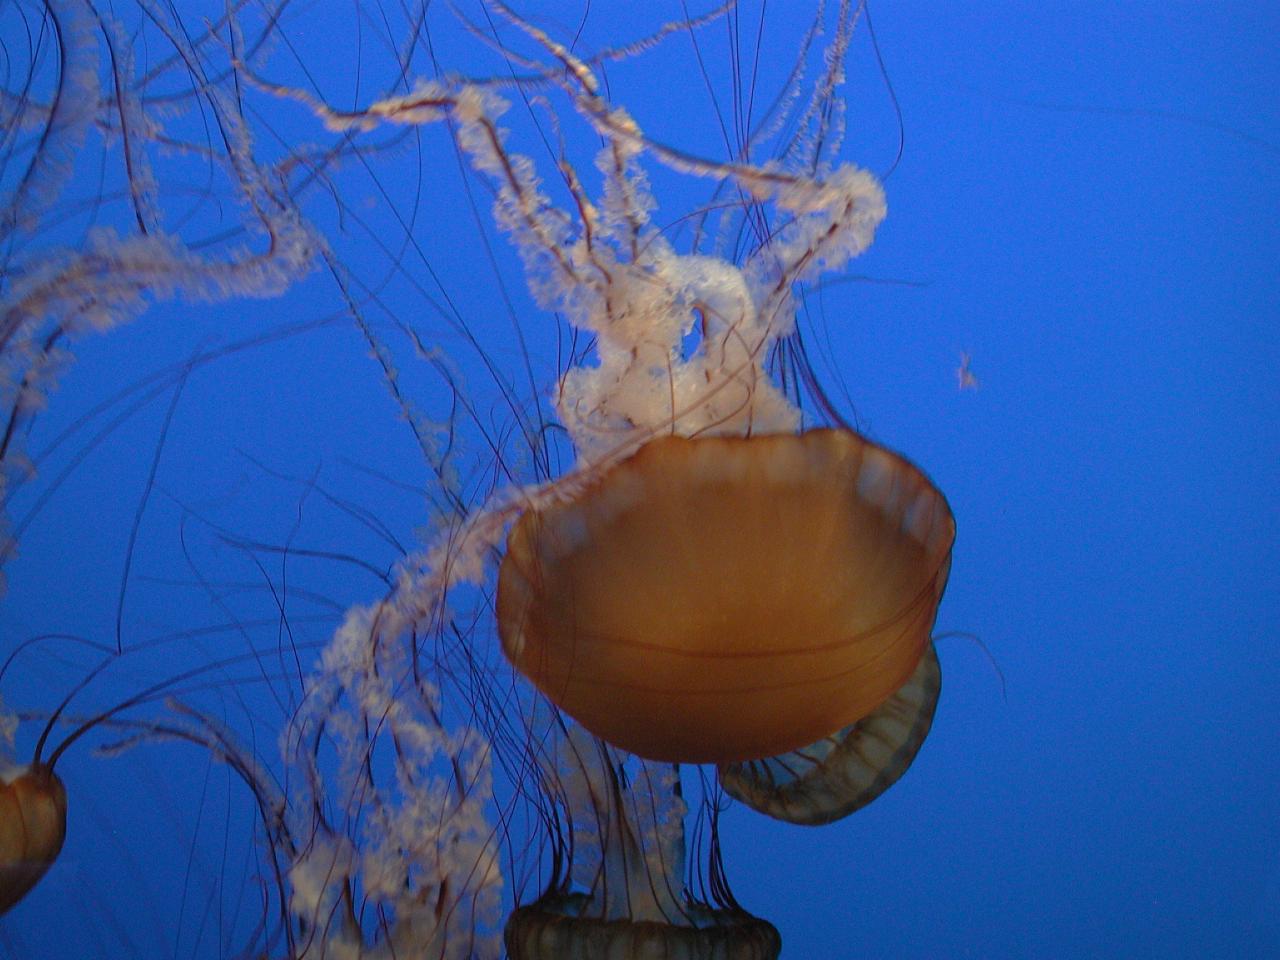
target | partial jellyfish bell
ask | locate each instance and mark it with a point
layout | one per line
(845, 771)
(722, 599)
(540, 930)
(33, 824)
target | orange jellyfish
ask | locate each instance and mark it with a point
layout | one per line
(33, 825)
(727, 599)
(33, 813)
(712, 582)
(33, 798)
(619, 887)
(843, 772)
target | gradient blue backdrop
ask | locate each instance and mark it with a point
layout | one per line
(1087, 206)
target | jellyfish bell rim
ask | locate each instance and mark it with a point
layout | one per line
(559, 927)
(727, 598)
(833, 778)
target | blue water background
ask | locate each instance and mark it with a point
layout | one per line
(1087, 207)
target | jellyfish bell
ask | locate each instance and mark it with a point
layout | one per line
(842, 773)
(33, 826)
(621, 890)
(556, 929)
(722, 599)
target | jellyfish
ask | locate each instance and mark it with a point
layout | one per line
(704, 557)
(848, 769)
(54, 293)
(471, 762)
(721, 599)
(33, 826)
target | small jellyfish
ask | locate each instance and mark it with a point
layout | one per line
(33, 826)
(621, 892)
